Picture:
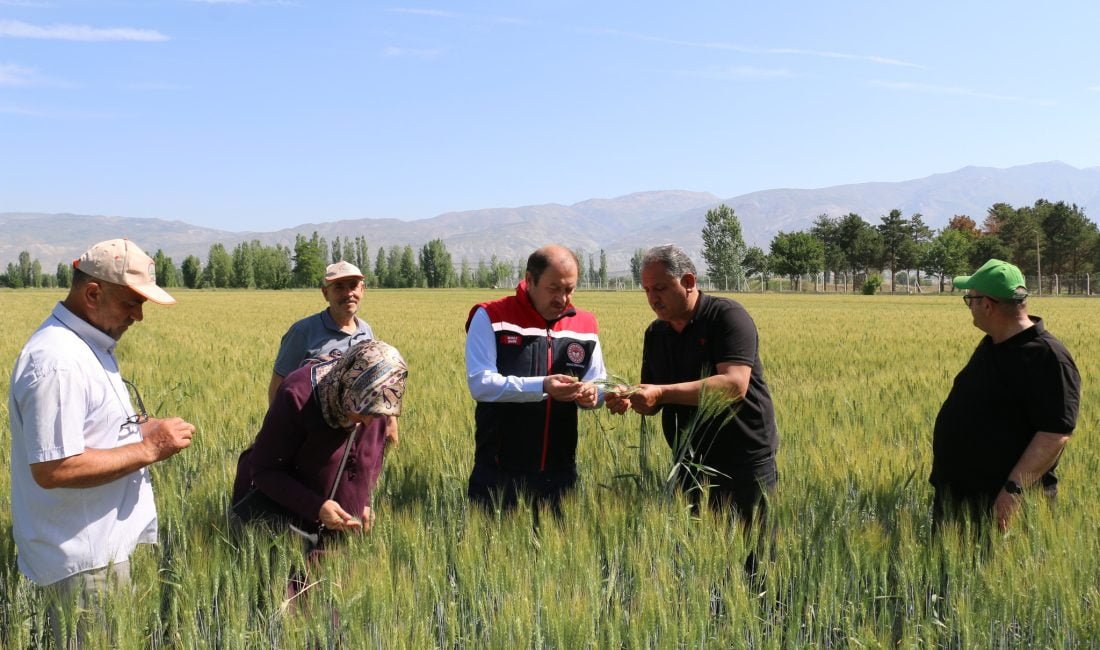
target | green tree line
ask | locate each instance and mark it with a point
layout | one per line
(1044, 239)
(253, 265)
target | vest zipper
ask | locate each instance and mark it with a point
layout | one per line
(549, 401)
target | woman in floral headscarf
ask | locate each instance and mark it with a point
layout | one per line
(319, 452)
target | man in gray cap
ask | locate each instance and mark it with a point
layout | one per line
(1011, 409)
(81, 497)
(334, 328)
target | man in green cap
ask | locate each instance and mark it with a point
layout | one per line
(1011, 409)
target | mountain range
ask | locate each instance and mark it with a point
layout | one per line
(618, 226)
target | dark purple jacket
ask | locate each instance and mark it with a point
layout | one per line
(296, 455)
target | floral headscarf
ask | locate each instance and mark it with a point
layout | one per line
(368, 379)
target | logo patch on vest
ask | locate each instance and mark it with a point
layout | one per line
(511, 339)
(575, 352)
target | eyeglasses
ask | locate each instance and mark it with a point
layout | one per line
(968, 299)
(142, 416)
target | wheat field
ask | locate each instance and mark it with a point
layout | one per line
(856, 380)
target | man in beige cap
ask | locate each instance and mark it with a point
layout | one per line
(334, 328)
(81, 494)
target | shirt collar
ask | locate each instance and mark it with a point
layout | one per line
(330, 323)
(694, 312)
(1028, 334)
(699, 303)
(85, 330)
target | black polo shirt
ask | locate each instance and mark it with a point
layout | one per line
(1005, 394)
(721, 331)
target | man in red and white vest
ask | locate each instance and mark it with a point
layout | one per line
(530, 361)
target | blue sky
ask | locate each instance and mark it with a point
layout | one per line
(258, 115)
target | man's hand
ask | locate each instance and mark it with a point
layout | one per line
(333, 517)
(368, 519)
(616, 403)
(647, 399)
(164, 438)
(588, 395)
(160, 439)
(1004, 509)
(562, 388)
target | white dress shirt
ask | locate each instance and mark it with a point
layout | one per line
(67, 396)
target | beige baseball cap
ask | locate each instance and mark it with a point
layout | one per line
(341, 269)
(120, 261)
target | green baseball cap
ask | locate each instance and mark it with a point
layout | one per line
(995, 278)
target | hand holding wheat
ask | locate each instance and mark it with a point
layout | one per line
(563, 388)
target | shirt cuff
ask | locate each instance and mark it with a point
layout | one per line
(532, 385)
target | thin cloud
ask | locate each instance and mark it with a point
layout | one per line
(18, 29)
(773, 51)
(738, 72)
(959, 91)
(19, 76)
(508, 20)
(1095, 89)
(16, 109)
(397, 52)
(436, 13)
(155, 86)
(282, 3)
(12, 109)
(880, 60)
(439, 13)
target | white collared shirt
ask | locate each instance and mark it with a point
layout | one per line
(67, 396)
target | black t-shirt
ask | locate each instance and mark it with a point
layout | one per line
(721, 331)
(1001, 398)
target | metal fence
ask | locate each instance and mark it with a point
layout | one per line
(1079, 284)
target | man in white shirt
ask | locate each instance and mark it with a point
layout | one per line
(81, 495)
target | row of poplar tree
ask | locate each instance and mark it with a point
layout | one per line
(1052, 238)
(253, 265)
(1044, 238)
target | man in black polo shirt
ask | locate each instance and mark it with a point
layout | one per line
(703, 342)
(1011, 409)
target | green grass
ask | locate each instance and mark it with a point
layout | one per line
(856, 380)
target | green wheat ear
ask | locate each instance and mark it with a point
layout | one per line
(617, 385)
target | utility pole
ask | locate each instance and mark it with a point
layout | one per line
(1038, 265)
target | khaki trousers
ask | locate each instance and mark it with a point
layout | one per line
(76, 603)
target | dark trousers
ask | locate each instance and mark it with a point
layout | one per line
(961, 505)
(956, 503)
(495, 488)
(743, 491)
(740, 488)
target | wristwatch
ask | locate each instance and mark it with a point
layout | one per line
(1012, 487)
